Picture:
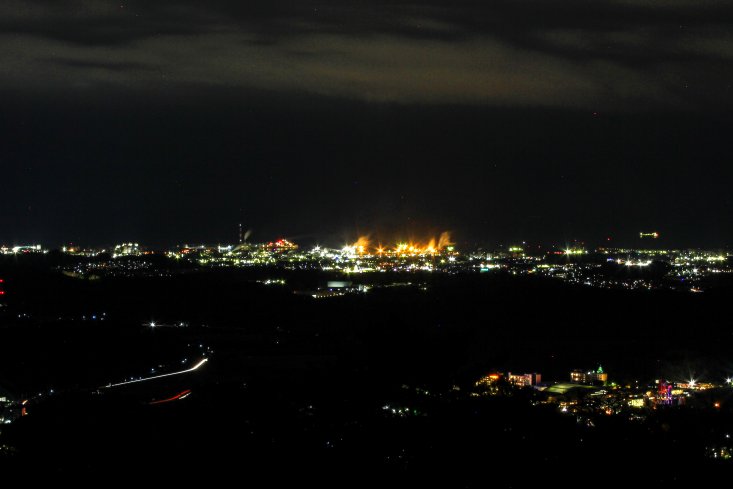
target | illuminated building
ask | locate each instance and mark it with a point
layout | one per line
(126, 249)
(578, 377)
(637, 402)
(489, 379)
(693, 384)
(281, 245)
(22, 249)
(653, 235)
(516, 251)
(589, 377)
(671, 394)
(524, 380)
(337, 284)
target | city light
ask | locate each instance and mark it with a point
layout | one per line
(685, 270)
(363, 242)
(433, 246)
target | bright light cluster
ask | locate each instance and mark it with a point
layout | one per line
(364, 247)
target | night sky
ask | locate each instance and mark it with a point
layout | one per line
(173, 121)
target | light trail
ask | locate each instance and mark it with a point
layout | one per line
(180, 395)
(195, 367)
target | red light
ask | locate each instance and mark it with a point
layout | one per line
(2, 292)
(180, 395)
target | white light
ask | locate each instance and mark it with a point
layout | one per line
(195, 367)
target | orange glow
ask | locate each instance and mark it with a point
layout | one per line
(431, 248)
(411, 248)
(362, 245)
(444, 240)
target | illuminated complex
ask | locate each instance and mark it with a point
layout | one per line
(692, 270)
(360, 256)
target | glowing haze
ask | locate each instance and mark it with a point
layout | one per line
(364, 246)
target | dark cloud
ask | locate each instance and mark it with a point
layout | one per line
(606, 54)
(171, 120)
(101, 65)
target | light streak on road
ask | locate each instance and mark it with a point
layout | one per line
(180, 372)
(180, 395)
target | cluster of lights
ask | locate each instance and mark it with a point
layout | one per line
(363, 247)
(22, 249)
(126, 249)
(430, 254)
(282, 244)
(77, 250)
